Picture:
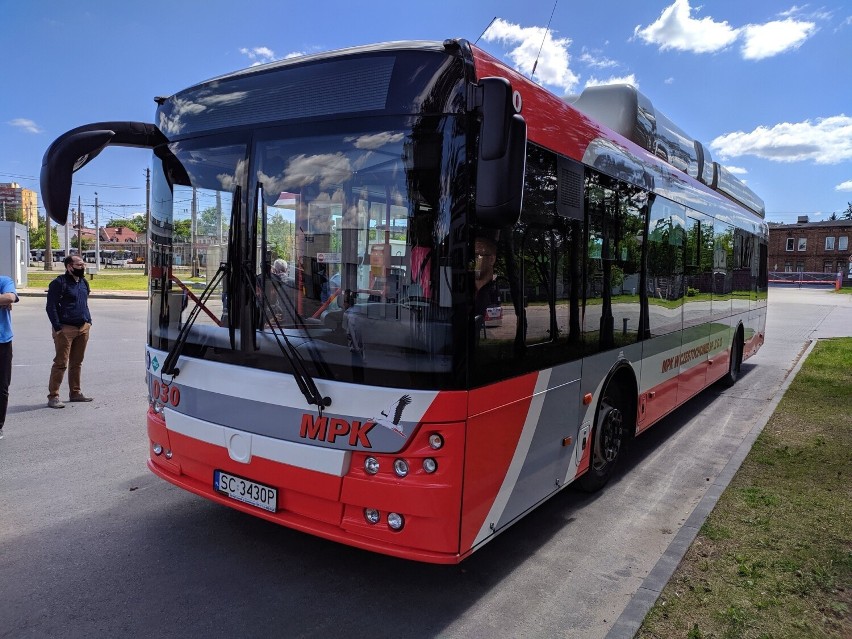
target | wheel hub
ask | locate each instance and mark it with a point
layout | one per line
(611, 433)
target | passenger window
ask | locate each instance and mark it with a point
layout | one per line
(666, 286)
(616, 214)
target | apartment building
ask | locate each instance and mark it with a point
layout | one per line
(15, 199)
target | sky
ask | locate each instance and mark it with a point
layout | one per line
(766, 85)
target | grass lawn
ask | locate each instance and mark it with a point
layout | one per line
(774, 558)
(105, 280)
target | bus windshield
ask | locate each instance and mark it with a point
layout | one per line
(342, 249)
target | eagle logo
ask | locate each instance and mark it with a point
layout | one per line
(389, 417)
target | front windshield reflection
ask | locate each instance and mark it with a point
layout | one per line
(339, 252)
(349, 255)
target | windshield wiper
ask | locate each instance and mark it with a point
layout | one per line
(301, 374)
(170, 364)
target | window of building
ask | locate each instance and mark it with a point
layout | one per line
(828, 266)
(829, 243)
(788, 267)
(791, 243)
(800, 267)
(842, 243)
(803, 243)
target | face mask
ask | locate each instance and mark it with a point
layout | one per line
(78, 272)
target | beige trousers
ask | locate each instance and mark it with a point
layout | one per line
(70, 345)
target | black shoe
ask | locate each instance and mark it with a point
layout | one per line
(79, 397)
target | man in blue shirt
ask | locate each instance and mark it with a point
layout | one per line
(68, 311)
(8, 296)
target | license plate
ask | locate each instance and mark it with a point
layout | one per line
(246, 490)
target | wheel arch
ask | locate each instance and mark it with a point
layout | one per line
(624, 376)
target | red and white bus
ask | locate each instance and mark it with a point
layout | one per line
(435, 294)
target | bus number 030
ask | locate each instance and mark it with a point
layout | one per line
(167, 394)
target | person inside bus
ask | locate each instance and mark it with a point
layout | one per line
(275, 292)
(352, 324)
(486, 304)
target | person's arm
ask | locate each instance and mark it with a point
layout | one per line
(9, 296)
(54, 291)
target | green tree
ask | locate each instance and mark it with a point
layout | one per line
(209, 220)
(12, 214)
(847, 214)
(37, 236)
(135, 223)
(182, 229)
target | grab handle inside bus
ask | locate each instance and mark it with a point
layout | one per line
(502, 155)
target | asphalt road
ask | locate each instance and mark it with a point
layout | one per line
(93, 545)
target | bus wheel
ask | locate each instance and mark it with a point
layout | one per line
(736, 362)
(608, 440)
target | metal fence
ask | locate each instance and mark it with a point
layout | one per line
(800, 279)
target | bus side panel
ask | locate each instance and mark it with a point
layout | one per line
(658, 389)
(490, 447)
(545, 448)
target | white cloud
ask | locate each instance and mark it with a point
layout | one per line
(553, 62)
(625, 79)
(824, 141)
(677, 29)
(596, 61)
(259, 55)
(669, 81)
(27, 125)
(844, 186)
(736, 170)
(766, 40)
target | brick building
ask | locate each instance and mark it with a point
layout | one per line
(811, 247)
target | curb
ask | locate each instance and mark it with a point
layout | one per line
(631, 618)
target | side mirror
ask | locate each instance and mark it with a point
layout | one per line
(66, 155)
(73, 150)
(502, 156)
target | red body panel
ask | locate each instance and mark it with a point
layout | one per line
(333, 507)
(550, 121)
(491, 442)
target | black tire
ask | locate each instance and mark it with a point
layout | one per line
(609, 437)
(736, 362)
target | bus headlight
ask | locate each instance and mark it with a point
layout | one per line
(396, 521)
(371, 515)
(371, 465)
(436, 441)
(158, 450)
(400, 467)
(430, 465)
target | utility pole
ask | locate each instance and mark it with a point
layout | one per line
(48, 252)
(192, 249)
(219, 215)
(97, 237)
(147, 220)
(79, 229)
(68, 231)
